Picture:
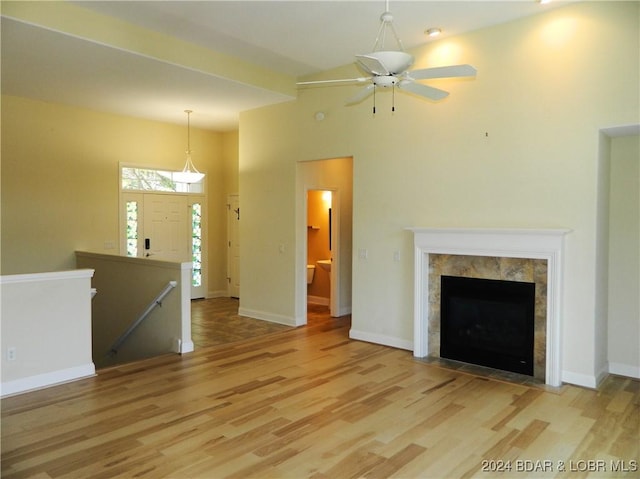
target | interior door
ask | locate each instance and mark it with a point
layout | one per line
(166, 227)
(233, 245)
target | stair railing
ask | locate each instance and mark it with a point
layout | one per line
(152, 305)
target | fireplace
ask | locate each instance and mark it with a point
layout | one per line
(541, 246)
(488, 322)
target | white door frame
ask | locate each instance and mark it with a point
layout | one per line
(231, 289)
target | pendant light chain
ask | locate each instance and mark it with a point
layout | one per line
(188, 112)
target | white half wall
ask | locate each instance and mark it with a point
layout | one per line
(46, 329)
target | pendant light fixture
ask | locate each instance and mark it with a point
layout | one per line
(189, 173)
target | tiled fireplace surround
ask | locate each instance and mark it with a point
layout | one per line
(509, 254)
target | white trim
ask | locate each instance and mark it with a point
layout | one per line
(545, 244)
(50, 276)
(317, 300)
(627, 370)
(381, 339)
(186, 347)
(622, 130)
(584, 380)
(39, 381)
(185, 311)
(137, 260)
(270, 317)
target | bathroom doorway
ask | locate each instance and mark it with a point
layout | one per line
(324, 230)
(319, 247)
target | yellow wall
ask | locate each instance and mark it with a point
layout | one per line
(517, 147)
(60, 180)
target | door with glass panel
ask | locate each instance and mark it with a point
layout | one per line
(166, 226)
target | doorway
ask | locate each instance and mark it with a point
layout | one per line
(334, 175)
(168, 226)
(623, 252)
(319, 248)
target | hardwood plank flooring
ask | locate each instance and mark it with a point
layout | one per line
(216, 321)
(309, 402)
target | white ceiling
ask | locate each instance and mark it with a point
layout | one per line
(295, 38)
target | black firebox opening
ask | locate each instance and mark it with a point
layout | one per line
(488, 322)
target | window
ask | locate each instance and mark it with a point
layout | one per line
(132, 228)
(147, 179)
(196, 243)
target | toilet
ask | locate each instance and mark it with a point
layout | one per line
(311, 269)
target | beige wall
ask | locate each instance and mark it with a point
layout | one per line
(60, 180)
(517, 147)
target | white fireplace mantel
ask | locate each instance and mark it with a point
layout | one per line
(547, 244)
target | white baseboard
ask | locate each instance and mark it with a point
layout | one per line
(578, 379)
(264, 316)
(186, 347)
(381, 339)
(39, 381)
(318, 300)
(625, 370)
(182, 347)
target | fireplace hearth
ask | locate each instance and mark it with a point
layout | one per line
(488, 323)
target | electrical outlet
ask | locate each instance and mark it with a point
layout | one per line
(396, 256)
(363, 254)
(11, 354)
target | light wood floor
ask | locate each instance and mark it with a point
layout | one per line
(309, 402)
(216, 321)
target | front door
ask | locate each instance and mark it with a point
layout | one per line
(166, 227)
(166, 232)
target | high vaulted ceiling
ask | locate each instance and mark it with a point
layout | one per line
(154, 59)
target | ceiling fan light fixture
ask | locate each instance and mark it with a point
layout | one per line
(189, 173)
(433, 32)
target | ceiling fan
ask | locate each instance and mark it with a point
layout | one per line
(390, 69)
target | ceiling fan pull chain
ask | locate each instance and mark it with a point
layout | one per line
(393, 98)
(374, 99)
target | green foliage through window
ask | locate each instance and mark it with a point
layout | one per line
(143, 179)
(196, 243)
(132, 228)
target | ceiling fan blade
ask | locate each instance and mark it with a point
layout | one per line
(372, 65)
(361, 95)
(443, 72)
(423, 90)
(342, 80)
